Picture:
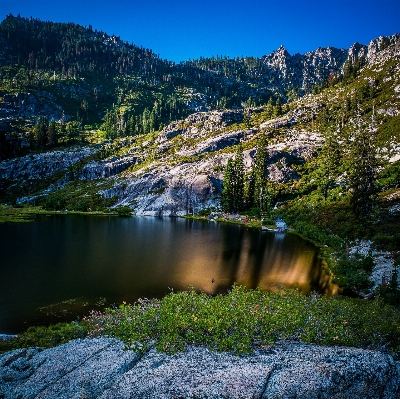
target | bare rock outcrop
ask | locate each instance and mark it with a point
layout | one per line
(31, 106)
(168, 190)
(43, 165)
(199, 124)
(106, 168)
(101, 368)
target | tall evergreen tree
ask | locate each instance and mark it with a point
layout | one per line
(52, 134)
(328, 164)
(363, 170)
(227, 187)
(249, 191)
(232, 197)
(40, 131)
(261, 196)
(238, 180)
(269, 109)
(277, 109)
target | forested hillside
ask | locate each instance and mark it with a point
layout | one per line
(86, 79)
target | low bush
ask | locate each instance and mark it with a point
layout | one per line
(354, 271)
(390, 292)
(45, 337)
(244, 319)
(123, 210)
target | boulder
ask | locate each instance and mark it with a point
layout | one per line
(101, 368)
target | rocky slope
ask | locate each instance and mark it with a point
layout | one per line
(305, 70)
(100, 368)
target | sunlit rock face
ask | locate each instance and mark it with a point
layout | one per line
(101, 368)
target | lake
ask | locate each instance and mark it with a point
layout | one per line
(60, 267)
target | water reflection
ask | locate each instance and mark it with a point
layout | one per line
(60, 258)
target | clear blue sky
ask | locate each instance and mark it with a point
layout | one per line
(179, 29)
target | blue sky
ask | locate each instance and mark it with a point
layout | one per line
(181, 30)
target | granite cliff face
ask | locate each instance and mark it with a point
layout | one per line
(101, 368)
(303, 71)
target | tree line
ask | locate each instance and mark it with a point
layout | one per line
(243, 192)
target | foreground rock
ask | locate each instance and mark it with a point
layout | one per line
(100, 368)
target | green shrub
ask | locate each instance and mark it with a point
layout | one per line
(244, 319)
(123, 210)
(390, 292)
(354, 271)
(46, 337)
(204, 212)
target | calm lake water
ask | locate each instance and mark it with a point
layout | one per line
(59, 267)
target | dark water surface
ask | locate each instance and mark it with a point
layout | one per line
(59, 267)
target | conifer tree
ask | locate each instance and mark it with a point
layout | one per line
(249, 191)
(261, 196)
(328, 164)
(232, 197)
(277, 109)
(269, 109)
(363, 171)
(52, 133)
(227, 187)
(40, 131)
(238, 180)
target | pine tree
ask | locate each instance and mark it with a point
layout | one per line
(363, 171)
(40, 131)
(249, 191)
(328, 165)
(227, 187)
(238, 180)
(52, 135)
(269, 109)
(261, 196)
(277, 109)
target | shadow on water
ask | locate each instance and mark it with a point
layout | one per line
(56, 268)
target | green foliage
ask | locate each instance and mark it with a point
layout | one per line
(390, 176)
(262, 196)
(390, 292)
(227, 188)
(204, 212)
(40, 131)
(354, 271)
(77, 197)
(232, 197)
(328, 165)
(390, 130)
(45, 337)
(351, 68)
(123, 210)
(363, 172)
(244, 319)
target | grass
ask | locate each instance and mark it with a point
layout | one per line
(45, 337)
(19, 214)
(256, 224)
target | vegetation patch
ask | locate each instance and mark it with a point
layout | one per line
(245, 319)
(45, 337)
